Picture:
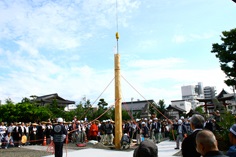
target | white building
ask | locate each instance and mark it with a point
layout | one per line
(183, 104)
(231, 103)
(209, 92)
(70, 107)
(191, 93)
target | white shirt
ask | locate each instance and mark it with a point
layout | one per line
(3, 129)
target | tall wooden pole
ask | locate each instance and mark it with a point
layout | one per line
(118, 109)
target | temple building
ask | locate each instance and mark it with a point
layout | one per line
(50, 99)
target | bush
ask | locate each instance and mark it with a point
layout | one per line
(227, 120)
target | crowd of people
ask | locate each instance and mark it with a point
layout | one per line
(79, 131)
(138, 130)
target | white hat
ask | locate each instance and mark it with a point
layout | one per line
(182, 117)
(180, 121)
(155, 119)
(143, 123)
(233, 129)
(59, 120)
(150, 120)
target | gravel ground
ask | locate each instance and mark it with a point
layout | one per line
(24, 152)
(29, 152)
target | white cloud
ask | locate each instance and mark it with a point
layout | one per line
(46, 47)
(148, 82)
(59, 25)
(28, 48)
(202, 36)
(158, 64)
(179, 39)
(147, 44)
(182, 38)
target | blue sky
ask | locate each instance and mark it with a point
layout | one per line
(67, 47)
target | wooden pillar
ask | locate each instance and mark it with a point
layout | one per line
(118, 109)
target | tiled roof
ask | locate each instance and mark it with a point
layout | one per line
(50, 97)
(176, 108)
(135, 105)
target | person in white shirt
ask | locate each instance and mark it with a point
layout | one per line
(3, 129)
(10, 128)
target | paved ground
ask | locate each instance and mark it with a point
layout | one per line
(165, 149)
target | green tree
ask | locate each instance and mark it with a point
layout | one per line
(153, 108)
(226, 52)
(87, 104)
(161, 108)
(102, 107)
(8, 113)
(56, 110)
(88, 110)
(125, 114)
(9, 101)
(227, 120)
(79, 112)
(199, 110)
(102, 104)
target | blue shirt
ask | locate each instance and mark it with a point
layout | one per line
(232, 151)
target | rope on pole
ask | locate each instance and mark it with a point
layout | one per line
(97, 98)
(150, 103)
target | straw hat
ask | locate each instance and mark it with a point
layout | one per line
(34, 124)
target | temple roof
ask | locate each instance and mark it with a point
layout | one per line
(219, 99)
(51, 97)
(221, 94)
(176, 108)
(135, 105)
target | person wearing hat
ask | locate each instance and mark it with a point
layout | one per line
(138, 131)
(58, 136)
(109, 132)
(73, 130)
(125, 141)
(232, 137)
(144, 130)
(155, 129)
(146, 149)
(132, 130)
(207, 144)
(18, 132)
(48, 132)
(102, 130)
(33, 133)
(181, 133)
(80, 133)
(149, 124)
